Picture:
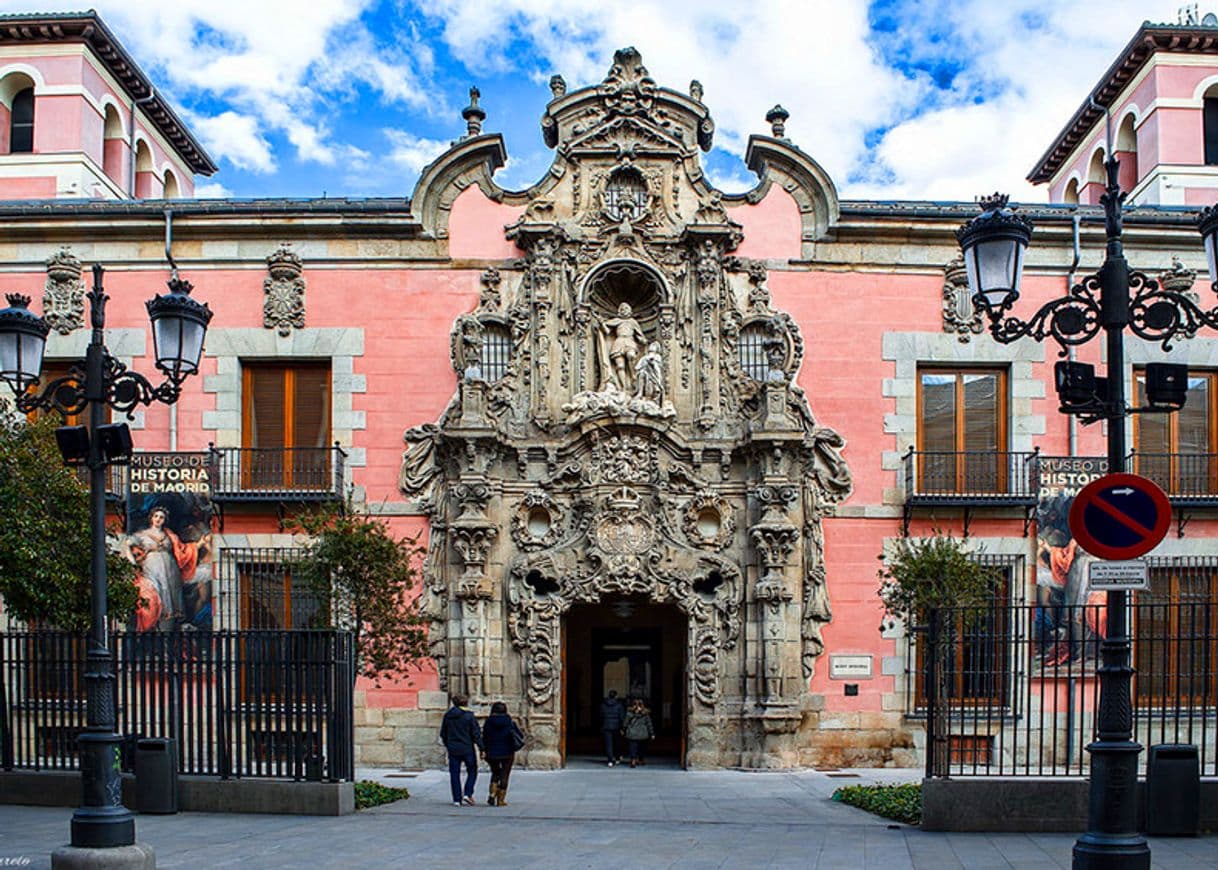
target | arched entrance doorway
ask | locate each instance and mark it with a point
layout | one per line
(637, 648)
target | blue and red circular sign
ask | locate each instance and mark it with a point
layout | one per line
(1120, 516)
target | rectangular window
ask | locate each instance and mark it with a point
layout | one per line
(260, 592)
(978, 667)
(1180, 451)
(1176, 634)
(286, 426)
(962, 431)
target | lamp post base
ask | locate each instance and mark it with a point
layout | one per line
(1111, 852)
(138, 856)
(101, 821)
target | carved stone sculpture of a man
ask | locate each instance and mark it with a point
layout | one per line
(623, 340)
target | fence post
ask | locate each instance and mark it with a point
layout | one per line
(932, 691)
(6, 731)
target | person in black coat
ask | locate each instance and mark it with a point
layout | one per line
(501, 738)
(613, 714)
(460, 734)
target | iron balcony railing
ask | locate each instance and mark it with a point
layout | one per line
(935, 477)
(1012, 690)
(277, 473)
(1188, 479)
(277, 704)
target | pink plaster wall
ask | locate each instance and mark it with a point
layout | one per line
(772, 227)
(31, 187)
(475, 226)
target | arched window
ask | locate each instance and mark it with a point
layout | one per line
(1126, 150)
(1070, 194)
(1096, 173)
(1210, 120)
(144, 171)
(171, 185)
(496, 351)
(754, 339)
(625, 194)
(21, 122)
(113, 142)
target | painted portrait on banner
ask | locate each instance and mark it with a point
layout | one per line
(1063, 628)
(169, 539)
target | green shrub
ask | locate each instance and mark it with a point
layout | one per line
(902, 803)
(373, 794)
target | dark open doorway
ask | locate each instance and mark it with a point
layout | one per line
(636, 647)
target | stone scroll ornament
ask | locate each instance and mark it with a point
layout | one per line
(63, 305)
(283, 304)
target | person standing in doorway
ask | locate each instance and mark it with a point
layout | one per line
(613, 715)
(502, 738)
(638, 731)
(460, 734)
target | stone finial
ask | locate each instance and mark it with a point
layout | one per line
(558, 86)
(777, 119)
(473, 114)
(695, 90)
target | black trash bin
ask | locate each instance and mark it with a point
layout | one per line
(156, 775)
(1173, 791)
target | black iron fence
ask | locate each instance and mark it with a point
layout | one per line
(971, 477)
(262, 473)
(273, 704)
(1012, 690)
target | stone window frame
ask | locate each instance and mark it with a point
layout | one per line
(223, 586)
(894, 665)
(909, 351)
(341, 346)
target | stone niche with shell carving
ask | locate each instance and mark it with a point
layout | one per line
(627, 423)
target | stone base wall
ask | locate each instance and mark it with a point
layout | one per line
(395, 737)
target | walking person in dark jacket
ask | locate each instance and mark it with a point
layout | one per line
(613, 714)
(639, 730)
(501, 738)
(460, 734)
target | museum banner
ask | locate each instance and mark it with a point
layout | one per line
(169, 538)
(1061, 565)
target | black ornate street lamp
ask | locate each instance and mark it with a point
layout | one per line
(179, 324)
(1113, 298)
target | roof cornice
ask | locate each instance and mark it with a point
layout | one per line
(88, 28)
(1149, 39)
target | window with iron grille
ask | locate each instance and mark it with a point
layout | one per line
(259, 591)
(978, 668)
(626, 194)
(496, 351)
(753, 352)
(1175, 633)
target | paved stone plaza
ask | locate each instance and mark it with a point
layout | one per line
(590, 817)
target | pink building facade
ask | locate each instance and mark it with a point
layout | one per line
(655, 436)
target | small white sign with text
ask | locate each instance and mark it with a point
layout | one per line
(1119, 575)
(849, 667)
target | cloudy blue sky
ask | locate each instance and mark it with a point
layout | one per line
(896, 98)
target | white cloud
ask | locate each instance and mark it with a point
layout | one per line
(238, 138)
(412, 152)
(1025, 66)
(273, 65)
(212, 190)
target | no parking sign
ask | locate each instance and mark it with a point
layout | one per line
(1120, 516)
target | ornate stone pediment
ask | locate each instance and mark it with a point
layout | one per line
(628, 421)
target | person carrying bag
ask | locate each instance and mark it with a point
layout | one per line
(502, 739)
(638, 730)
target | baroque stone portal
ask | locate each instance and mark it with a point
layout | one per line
(627, 424)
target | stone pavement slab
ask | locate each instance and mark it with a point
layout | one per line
(587, 816)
